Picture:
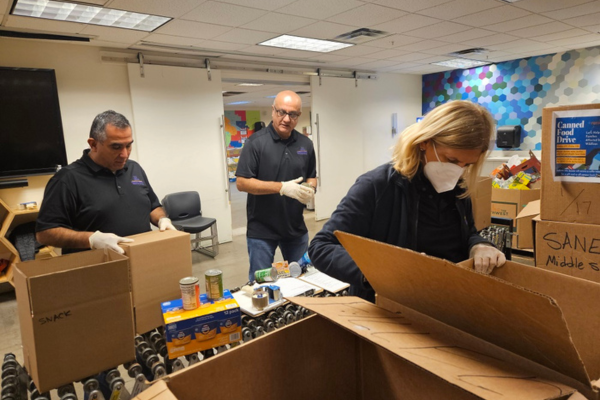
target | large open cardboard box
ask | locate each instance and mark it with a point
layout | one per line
(525, 239)
(566, 201)
(158, 261)
(571, 249)
(522, 334)
(75, 316)
(482, 203)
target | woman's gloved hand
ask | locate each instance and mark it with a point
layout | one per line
(486, 258)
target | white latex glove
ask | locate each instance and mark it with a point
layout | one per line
(165, 224)
(293, 189)
(100, 240)
(486, 258)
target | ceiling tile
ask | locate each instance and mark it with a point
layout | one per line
(574, 11)
(255, 49)
(101, 43)
(351, 62)
(492, 16)
(434, 48)
(459, 8)
(410, 5)
(192, 29)
(385, 54)
(171, 8)
(490, 40)
(168, 39)
(279, 23)
(319, 9)
(323, 30)
(393, 41)
(223, 14)
(367, 15)
(355, 51)
(44, 25)
(245, 36)
(299, 54)
(213, 44)
(465, 36)
(262, 4)
(584, 20)
(540, 6)
(552, 27)
(4, 7)
(522, 45)
(575, 40)
(114, 34)
(414, 57)
(439, 30)
(406, 23)
(560, 35)
(330, 58)
(592, 28)
(519, 23)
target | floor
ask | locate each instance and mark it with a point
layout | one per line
(232, 260)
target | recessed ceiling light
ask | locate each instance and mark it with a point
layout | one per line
(237, 103)
(461, 63)
(249, 84)
(302, 43)
(88, 14)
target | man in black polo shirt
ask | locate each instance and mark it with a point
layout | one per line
(273, 163)
(101, 197)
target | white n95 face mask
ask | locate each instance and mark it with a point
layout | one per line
(443, 175)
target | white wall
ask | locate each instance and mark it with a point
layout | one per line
(178, 114)
(355, 128)
(86, 87)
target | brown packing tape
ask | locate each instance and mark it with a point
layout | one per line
(522, 321)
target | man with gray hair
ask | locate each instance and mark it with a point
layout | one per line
(96, 200)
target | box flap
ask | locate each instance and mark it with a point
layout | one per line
(159, 390)
(530, 210)
(522, 321)
(142, 239)
(481, 374)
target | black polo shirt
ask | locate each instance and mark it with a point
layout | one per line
(84, 196)
(268, 158)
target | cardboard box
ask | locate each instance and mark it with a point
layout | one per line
(571, 249)
(566, 201)
(481, 197)
(158, 261)
(75, 316)
(508, 203)
(536, 314)
(525, 225)
(213, 324)
(523, 334)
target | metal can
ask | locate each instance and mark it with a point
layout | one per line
(266, 275)
(190, 292)
(214, 284)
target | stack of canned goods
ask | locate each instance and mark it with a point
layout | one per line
(190, 288)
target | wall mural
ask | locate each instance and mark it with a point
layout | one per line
(516, 91)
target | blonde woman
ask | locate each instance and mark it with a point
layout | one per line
(420, 200)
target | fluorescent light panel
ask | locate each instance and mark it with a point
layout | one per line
(237, 103)
(302, 43)
(461, 63)
(87, 14)
(249, 84)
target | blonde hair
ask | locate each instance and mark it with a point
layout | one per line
(458, 125)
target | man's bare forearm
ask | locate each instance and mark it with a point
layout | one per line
(64, 238)
(257, 187)
(157, 214)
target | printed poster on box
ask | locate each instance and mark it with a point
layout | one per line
(575, 146)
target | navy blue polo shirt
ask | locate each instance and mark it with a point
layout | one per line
(86, 197)
(267, 157)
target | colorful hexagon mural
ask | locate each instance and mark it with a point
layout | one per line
(516, 91)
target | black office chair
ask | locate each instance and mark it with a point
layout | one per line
(185, 211)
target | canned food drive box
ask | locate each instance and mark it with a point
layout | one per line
(215, 323)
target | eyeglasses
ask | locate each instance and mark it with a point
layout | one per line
(293, 116)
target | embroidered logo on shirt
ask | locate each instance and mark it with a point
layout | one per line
(302, 151)
(137, 181)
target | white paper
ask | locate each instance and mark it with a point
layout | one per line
(325, 281)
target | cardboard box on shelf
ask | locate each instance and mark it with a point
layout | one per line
(568, 248)
(508, 203)
(75, 315)
(566, 201)
(482, 203)
(460, 335)
(525, 225)
(158, 261)
(215, 323)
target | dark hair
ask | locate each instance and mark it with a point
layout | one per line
(98, 130)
